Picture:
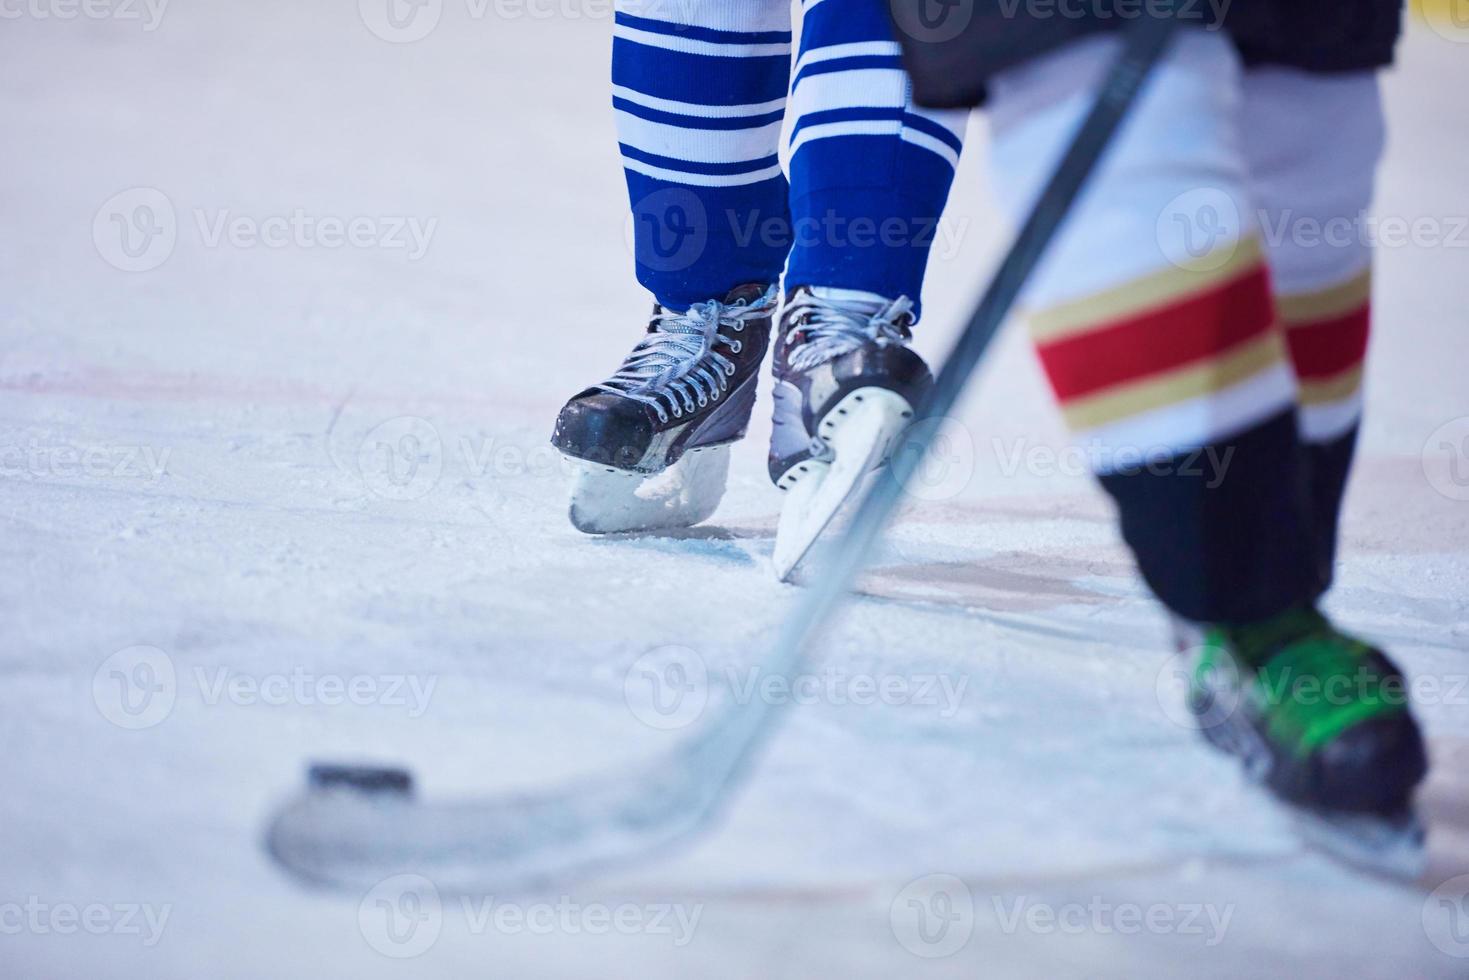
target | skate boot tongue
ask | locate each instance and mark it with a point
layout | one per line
(750, 295)
(834, 294)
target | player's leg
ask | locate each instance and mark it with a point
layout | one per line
(699, 92)
(1312, 142)
(870, 173)
(1155, 322)
(1153, 319)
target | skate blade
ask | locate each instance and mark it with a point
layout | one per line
(1390, 847)
(860, 432)
(605, 500)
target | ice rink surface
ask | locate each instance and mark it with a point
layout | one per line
(272, 496)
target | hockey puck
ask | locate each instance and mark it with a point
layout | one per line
(385, 780)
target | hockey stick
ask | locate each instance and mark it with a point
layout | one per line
(355, 825)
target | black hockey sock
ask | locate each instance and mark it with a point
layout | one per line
(1225, 534)
(1328, 466)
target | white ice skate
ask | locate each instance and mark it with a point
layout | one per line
(846, 384)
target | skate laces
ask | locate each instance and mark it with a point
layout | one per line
(831, 327)
(677, 364)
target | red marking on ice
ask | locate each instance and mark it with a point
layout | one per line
(101, 383)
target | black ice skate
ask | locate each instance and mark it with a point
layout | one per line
(651, 443)
(1323, 720)
(846, 384)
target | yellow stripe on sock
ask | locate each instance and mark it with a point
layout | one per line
(1303, 309)
(1320, 391)
(1159, 289)
(1206, 377)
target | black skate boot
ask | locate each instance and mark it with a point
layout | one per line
(651, 443)
(1323, 720)
(846, 384)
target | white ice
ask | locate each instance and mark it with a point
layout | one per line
(288, 468)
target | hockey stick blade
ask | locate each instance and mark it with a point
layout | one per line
(355, 832)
